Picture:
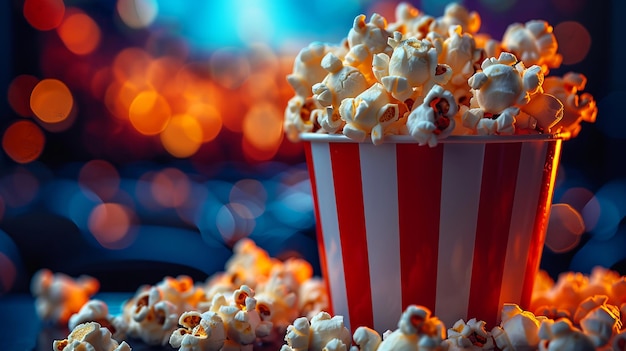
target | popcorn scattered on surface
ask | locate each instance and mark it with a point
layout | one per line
(577, 312)
(380, 80)
(90, 336)
(58, 296)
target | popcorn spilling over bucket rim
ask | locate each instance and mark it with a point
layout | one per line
(456, 139)
(435, 77)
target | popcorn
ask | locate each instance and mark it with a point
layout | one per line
(89, 336)
(561, 335)
(434, 118)
(200, 332)
(456, 15)
(534, 43)
(412, 68)
(58, 296)
(323, 332)
(307, 69)
(469, 336)
(518, 329)
(599, 320)
(577, 107)
(313, 297)
(366, 339)
(418, 52)
(500, 90)
(417, 330)
(149, 317)
(98, 311)
(371, 112)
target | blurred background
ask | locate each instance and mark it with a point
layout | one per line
(143, 138)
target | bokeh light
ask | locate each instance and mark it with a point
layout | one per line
(498, 5)
(251, 193)
(137, 13)
(149, 113)
(574, 41)
(170, 187)
(19, 92)
(51, 101)
(229, 67)
(101, 178)
(183, 136)
(8, 273)
(23, 141)
(234, 222)
(79, 32)
(208, 117)
(110, 224)
(44, 14)
(564, 228)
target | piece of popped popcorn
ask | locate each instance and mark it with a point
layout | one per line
(242, 320)
(456, 14)
(181, 291)
(149, 317)
(276, 303)
(469, 336)
(598, 320)
(366, 39)
(410, 21)
(369, 113)
(89, 336)
(518, 329)
(533, 43)
(459, 51)
(325, 328)
(299, 117)
(412, 69)
(365, 339)
(562, 336)
(199, 332)
(499, 91)
(578, 107)
(342, 81)
(98, 311)
(417, 330)
(566, 293)
(313, 297)
(58, 296)
(307, 68)
(433, 119)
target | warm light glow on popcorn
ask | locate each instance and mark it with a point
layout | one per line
(58, 296)
(90, 336)
(497, 86)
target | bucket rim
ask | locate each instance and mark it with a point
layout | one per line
(453, 139)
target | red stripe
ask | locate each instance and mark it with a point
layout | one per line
(497, 193)
(419, 199)
(318, 227)
(541, 220)
(346, 168)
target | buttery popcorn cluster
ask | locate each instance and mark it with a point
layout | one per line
(431, 77)
(251, 303)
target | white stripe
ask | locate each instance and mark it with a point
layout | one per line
(460, 195)
(527, 190)
(380, 202)
(330, 229)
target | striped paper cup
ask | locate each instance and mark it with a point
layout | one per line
(458, 228)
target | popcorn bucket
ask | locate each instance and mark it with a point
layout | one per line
(458, 228)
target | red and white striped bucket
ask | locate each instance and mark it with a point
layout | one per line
(458, 228)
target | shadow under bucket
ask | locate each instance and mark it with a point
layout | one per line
(458, 228)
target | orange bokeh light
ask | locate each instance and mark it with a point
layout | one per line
(574, 41)
(23, 141)
(208, 117)
(262, 126)
(19, 92)
(80, 33)
(149, 113)
(183, 136)
(51, 101)
(110, 225)
(131, 64)
(44, 14)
